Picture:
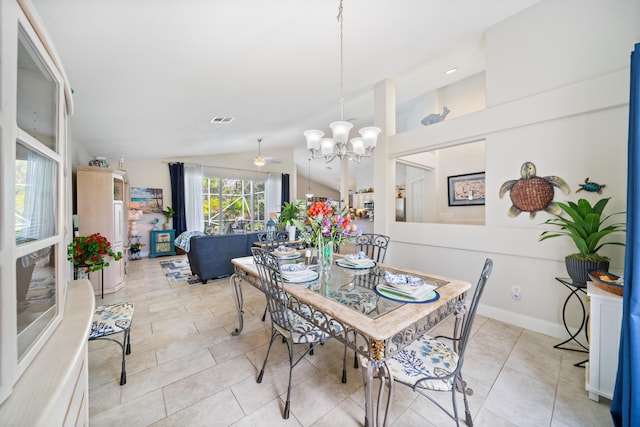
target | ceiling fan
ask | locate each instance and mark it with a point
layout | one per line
(261, 160)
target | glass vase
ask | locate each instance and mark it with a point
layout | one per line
(325, 254)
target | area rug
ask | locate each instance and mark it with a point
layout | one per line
(177, 271)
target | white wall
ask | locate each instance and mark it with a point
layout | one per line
(557, 95)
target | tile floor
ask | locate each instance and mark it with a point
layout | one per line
(186, 369)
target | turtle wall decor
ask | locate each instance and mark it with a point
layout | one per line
(532, 193)
(591, 186)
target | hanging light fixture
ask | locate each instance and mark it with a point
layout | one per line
(309, 193)
(339, 145)
(259, 161)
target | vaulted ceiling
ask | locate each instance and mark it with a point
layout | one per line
(149, 75)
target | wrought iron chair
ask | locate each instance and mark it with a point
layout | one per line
(429, 364)
(374, 245)
(292, 327)
(110, 320)
(279, 238)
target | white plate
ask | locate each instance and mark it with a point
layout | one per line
(311, 276)
(356, 266)
(293, 255)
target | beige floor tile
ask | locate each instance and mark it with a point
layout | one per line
(521, 399)
(193, 388)
(346, 414)
(154, 378)
(269, 415)
(141, 411)
(104, 397)
(219, 409)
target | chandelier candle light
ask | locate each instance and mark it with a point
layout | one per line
(340, 146)
(309, 193)
(259, 161)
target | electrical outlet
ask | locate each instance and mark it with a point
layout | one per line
(516, 293)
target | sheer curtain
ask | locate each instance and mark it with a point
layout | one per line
(273, 188)
(40, 197)
(193, 197)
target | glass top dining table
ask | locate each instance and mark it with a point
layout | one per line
(374, 325)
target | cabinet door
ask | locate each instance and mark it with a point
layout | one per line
(118, 223)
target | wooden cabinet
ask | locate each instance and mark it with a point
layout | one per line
(162, 243)
(102, 196)
(604, 342)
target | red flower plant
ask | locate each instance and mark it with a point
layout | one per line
(90, 252)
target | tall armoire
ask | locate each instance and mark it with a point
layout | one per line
(102, 196)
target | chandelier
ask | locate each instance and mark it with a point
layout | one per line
(259, 161)
(340, 146)
(309, 193)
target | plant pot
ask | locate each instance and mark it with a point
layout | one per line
(578, 269)
(166, 226)
(292, 232)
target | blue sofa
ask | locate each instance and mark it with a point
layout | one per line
(210, 256)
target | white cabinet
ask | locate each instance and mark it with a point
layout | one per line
(604, 342)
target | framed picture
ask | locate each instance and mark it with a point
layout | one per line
(148, 200)
(465, 190)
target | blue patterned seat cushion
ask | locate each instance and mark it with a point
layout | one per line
(425, 357)
(305, 332)
(111, 319)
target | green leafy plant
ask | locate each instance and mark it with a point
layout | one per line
(91, 252)
(585, 226)
(168, 213)
(291, 213)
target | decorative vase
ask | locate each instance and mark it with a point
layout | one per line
(325, 253)
(578, 269)
(100, 162)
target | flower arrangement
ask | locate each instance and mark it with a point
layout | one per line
(90, 252)
(325, 224)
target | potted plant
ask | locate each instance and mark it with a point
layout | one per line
(90, 253)
(289, 215)
(168, 213)
(585, 227)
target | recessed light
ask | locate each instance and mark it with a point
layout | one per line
(451, 70)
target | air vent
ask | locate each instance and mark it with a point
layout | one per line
(222, 120)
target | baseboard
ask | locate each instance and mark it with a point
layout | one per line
(527, 322)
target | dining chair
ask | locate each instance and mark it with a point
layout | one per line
(374, 245)
(428, 364)
(292, 327)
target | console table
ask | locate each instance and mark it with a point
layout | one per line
(162, 243)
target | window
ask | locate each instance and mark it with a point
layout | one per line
(39, 237)
(233, 205)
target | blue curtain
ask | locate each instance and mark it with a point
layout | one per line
(284, 189)
(625, 406)
(176, 173)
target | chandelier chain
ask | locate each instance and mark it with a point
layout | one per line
(341, 21)
(340, 146)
